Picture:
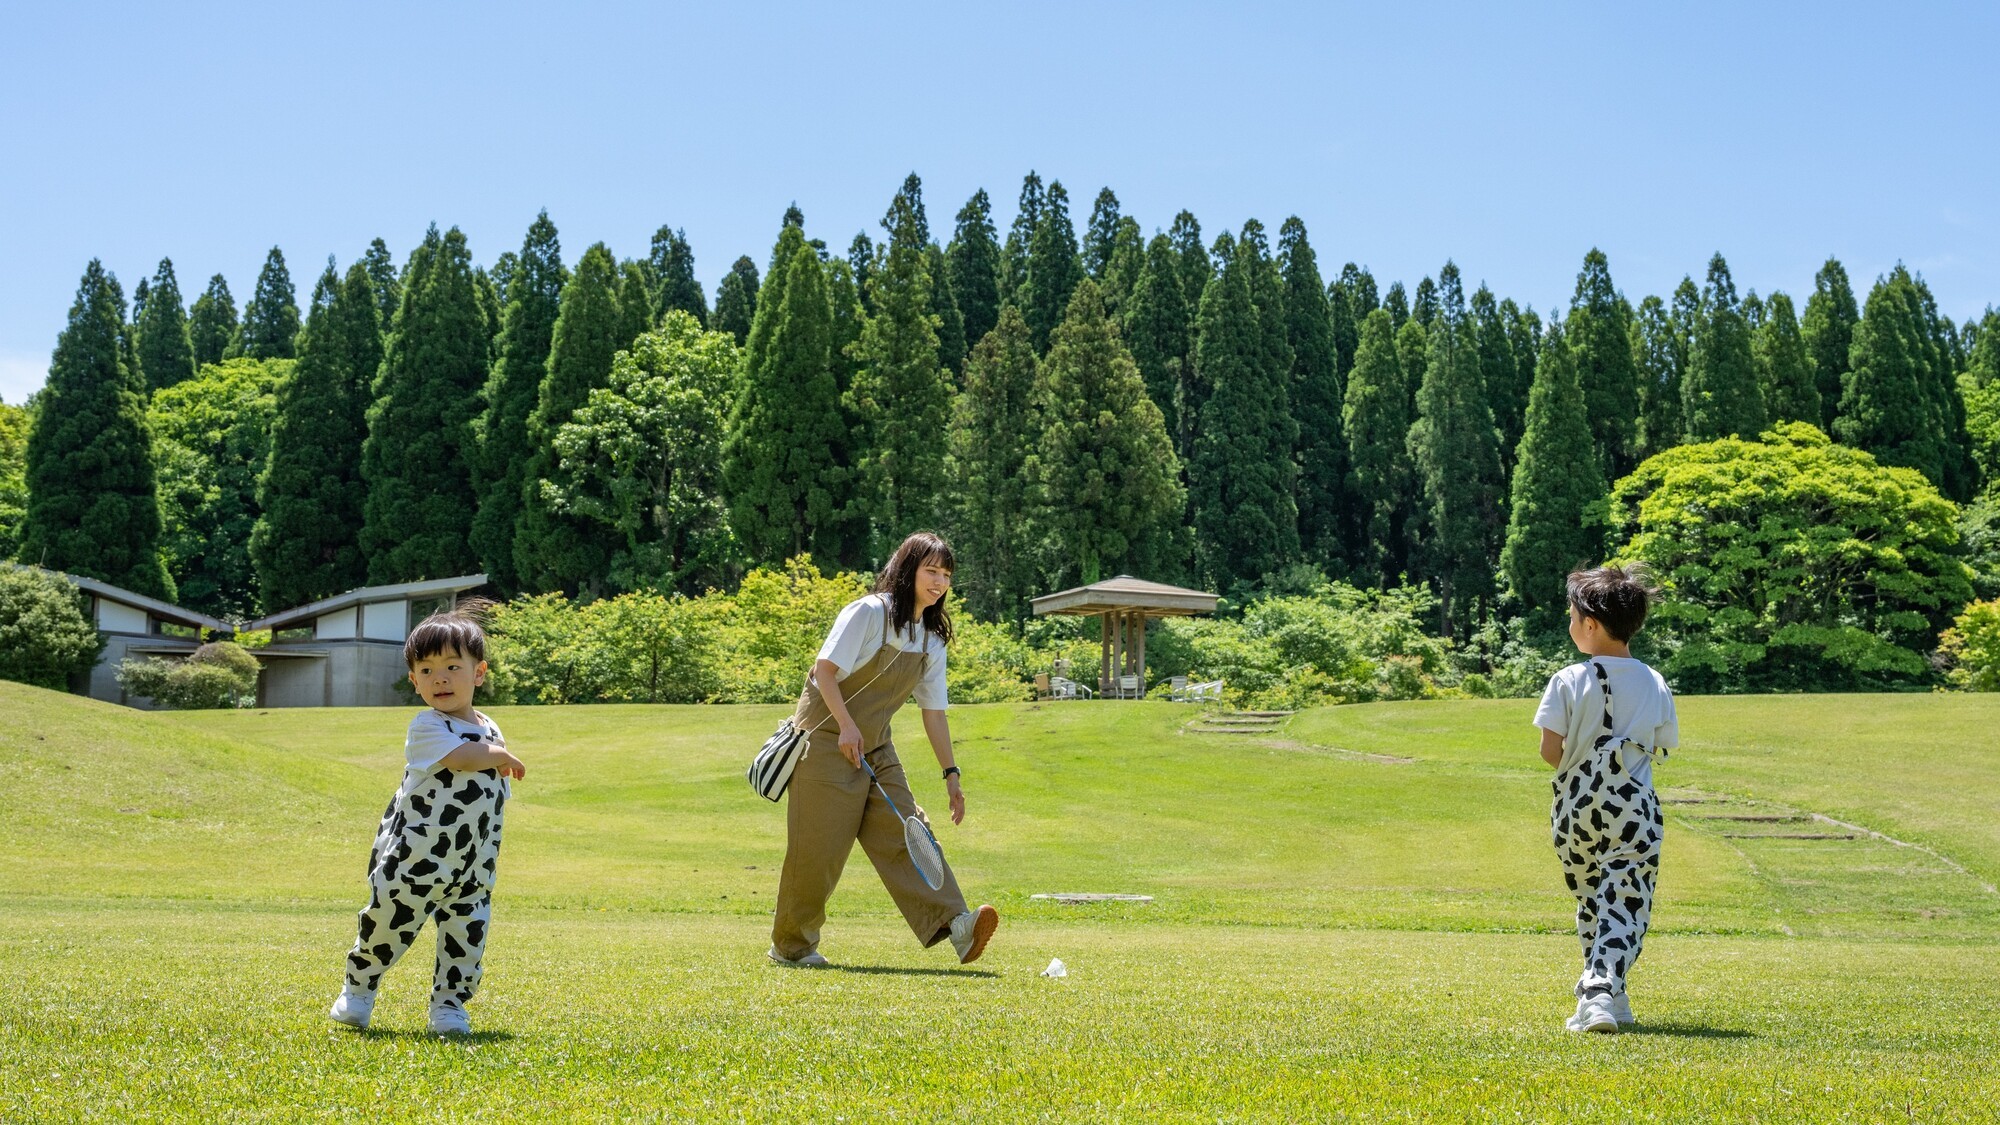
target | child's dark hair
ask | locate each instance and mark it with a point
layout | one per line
(459, 627)
(1617, 596)
(899, 581)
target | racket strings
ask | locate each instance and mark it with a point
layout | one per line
(925, 854)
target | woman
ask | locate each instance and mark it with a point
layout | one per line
(884, 649)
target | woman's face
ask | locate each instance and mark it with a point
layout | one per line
(933, 582)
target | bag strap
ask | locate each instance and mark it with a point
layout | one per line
(848, 695)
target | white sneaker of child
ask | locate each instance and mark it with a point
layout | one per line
(971, 931)
(449, 1019)
(1621, 1009)
(1593, 1013)
(353, 1009)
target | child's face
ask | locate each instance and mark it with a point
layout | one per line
(445, 680)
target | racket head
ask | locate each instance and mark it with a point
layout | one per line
(925, 854)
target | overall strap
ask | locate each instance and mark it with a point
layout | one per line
(1608, 741)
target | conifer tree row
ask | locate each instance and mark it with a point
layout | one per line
(166, 354)
(1108, 496)
(1317, 394)
(1600, 337)
(995, 431)
(1784, 369)
(783, 463)
(1454, 447)
(736, 300)
(671, 277)
(901, 394)
(1556, 518)
(1157, 325)
(554, 549)
(93, 504)
(270, 327)
(311, 495)
(1719, 394)
(1053, 270)
(212, 323)
(973, 264)
(416, 457)
(1376, 417)
(526, 332)
(1242, 478)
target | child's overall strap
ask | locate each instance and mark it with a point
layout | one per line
(1608, 743)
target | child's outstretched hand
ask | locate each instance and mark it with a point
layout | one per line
(509, 765)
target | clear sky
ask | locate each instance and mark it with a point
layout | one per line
(1510, 138)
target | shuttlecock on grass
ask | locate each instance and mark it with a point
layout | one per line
(1056, 969)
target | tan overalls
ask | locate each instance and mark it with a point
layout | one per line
(832, 804)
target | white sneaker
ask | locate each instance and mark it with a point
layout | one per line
(353, 1009)
(1621, 1010)
(1593, 1013)
(449, 1019)
(971, 931)
(812, 959)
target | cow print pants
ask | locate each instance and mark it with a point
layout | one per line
(1607, 830)
(434, 858)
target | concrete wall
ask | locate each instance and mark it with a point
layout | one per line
(350, 673)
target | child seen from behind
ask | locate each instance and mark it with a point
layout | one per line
(1603, 721)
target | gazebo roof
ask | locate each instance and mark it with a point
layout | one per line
(1126, 594)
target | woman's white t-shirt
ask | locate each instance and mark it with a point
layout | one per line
(862, 630)
(1642, 709)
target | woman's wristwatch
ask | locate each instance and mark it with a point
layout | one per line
(948, 771)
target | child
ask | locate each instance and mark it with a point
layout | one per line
(1602, 723)
(435, 853)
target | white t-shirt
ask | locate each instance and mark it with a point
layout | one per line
(1642, 709)
(434, 734)
(860, 632)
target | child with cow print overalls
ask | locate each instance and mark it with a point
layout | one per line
(1603, 722)
(439, 843)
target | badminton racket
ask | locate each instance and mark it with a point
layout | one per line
(925, 854)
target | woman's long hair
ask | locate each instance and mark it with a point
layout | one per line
(899, 581)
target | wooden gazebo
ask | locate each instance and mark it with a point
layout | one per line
(1123, 604)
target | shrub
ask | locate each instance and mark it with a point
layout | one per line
(1970, 649)
(1791, 563)
(45, 638)
(1339, 645)
(218, 674)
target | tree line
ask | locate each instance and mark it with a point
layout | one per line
(1068, 406)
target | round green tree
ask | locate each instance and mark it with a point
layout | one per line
(1791, 563)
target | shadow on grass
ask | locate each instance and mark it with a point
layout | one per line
(1687, 1031)
(471, 1039)
(893, 970)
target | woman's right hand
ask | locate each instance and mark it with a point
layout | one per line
(850, 744)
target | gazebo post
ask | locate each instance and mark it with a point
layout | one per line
(1105, 655)
(1141, 646)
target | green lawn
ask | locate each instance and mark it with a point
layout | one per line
(1333, 934)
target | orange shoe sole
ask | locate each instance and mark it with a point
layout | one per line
(984, 922)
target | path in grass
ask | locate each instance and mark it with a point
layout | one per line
(1330, 932)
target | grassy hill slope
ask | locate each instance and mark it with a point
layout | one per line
(1355, 916)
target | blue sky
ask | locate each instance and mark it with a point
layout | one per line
(1509, 141)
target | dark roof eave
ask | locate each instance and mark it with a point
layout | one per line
(366, 594)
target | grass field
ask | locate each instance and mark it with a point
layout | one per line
(1355, 917)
